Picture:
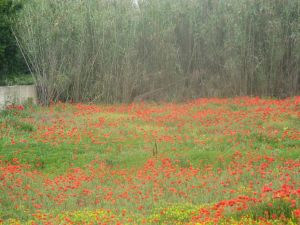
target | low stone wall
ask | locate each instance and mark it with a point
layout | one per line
(17, 95)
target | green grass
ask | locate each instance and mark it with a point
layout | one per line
(272, 209)
(53, 140)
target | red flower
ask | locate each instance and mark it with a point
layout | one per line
(297, 213)
(266, 188)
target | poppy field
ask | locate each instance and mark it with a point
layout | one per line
(206, 161)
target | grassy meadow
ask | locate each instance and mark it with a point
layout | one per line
(206, 161)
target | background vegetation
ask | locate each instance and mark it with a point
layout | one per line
(117, 51)
(11, 61)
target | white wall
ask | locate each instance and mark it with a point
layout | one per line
(17, 94)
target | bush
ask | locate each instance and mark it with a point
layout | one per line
(17, 79)
(114, 51)
(11, 60)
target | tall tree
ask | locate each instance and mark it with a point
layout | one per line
(10, 57)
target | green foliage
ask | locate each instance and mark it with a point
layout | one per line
(274, 209)
(11, 60)
(163, 50)
(16, 79)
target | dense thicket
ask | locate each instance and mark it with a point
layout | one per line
(11, 60)
(116, 51)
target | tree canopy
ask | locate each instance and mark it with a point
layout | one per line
(11, 60)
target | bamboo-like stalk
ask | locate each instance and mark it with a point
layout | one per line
(114, 51)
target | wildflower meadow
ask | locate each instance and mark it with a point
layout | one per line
(205, 161)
